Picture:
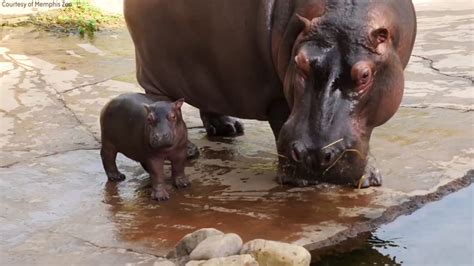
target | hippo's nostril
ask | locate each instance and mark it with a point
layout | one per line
(295, 155)
(309, 162)
(326, 157)
(297, 152)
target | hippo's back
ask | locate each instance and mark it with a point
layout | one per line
(215, 54)
(122, 123)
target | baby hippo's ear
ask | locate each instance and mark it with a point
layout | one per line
(150, 117)
(178, 103)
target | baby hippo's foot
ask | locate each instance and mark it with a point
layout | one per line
(116, 177)
(159, 193)
(181, 181)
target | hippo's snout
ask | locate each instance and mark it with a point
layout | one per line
(161, 140)
(340, 162)
(314, 158)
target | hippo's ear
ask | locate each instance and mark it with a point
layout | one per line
(178, 103)
(379, 36)
(306, 22)
(147, 108)
(309, 24)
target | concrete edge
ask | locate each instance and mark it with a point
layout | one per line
(390, 214)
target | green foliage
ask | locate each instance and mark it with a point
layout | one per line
(80, 17)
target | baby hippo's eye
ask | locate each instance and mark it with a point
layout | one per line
(151, 119)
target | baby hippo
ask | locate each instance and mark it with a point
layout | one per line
(148, 132)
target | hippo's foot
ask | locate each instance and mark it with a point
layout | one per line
(181, 182)
(221, 125)
(296, 182)
(159, 193)
(192, 151)
(115, 177)
(371, 177)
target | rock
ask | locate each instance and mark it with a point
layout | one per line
(181, 260)
(217, 246)
(273, 253)
(236, 260)
(163, 262)
(190, 241)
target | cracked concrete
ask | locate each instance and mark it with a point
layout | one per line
(432, 66)
(447, 106)
(56, 205)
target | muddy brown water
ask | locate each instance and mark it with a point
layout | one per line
(278, 213)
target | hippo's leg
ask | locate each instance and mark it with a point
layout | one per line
(221, 125)
(109, 155)
(157, 175)
(178, 161)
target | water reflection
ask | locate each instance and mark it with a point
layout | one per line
(363, 251)
(424, 237)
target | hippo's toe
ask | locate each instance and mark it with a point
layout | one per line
(160, 194)
(221, 125)
(192, 151)
(371, 178)
(181, 182)
(239, 127)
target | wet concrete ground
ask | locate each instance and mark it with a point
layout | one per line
(56, 205)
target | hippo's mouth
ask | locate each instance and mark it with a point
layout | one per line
(348, 169)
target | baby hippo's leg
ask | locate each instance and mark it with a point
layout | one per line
(157, 175)
(108, 155)
(178, 161)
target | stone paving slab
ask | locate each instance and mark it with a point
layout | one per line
(56, 205)
(440, 72)
(34, 120)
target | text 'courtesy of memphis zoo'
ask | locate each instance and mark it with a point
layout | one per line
(36, 4)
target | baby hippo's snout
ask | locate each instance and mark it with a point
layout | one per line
(162, 140)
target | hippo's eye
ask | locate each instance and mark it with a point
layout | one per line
(364, 77)
(379, 36)
(361, 74)
(172, 117)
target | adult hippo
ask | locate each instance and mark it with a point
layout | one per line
(324, 73)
